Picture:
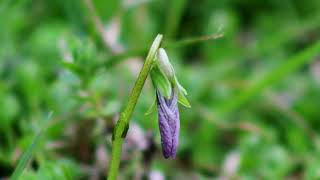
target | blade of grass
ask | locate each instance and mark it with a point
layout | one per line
(27, 155)
(287, 34)
(98, 24)
(274, 76)
(174, 14)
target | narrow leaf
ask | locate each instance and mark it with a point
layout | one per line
(277, 74)
(27, 155)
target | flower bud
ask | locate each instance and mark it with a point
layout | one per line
(165, 64)
(169, 123)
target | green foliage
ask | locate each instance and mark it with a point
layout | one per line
(27, 155)
(61, 169)
(254, 92)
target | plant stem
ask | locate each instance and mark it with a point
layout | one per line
(138, 51)
(98, 24)
(122, 125)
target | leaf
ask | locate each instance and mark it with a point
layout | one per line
(27, 155)
(74, 68)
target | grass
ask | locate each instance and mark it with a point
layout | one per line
(28, 154)
(273, 76)
(251, 69)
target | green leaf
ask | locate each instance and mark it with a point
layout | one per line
(72, 67)
(161, 82)
(27, 155)
(183, 100)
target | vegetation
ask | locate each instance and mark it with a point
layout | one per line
(251, 69)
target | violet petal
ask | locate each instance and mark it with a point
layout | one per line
(169, 123)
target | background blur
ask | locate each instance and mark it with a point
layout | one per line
(254, 92)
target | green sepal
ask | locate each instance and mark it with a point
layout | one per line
(152, 107)
(161, 82)
(180, 87)
(183, 100)
(182, 94)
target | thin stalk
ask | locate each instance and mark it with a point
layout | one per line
(174, 13)
(98, 24)
(192, 40)
(122, 125)
(173, 44)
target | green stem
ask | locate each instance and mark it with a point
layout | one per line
(122, 125)
(138, 51)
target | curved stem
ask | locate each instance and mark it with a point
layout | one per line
(122, 125)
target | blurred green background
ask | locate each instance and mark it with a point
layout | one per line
(254, 92)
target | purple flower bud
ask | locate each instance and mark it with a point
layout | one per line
(169, 123)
